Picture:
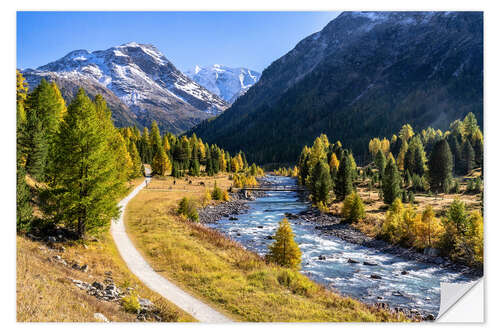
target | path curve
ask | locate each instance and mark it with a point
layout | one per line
(138, 265)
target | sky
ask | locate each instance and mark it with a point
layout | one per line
(235, 39)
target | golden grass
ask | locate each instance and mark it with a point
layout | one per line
(219, 271)
(45, 292)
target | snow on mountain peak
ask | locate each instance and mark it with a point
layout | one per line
(226, 82)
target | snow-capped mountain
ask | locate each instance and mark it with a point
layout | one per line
(142, 78)
(227, 83)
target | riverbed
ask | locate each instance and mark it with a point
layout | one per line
(364, 273)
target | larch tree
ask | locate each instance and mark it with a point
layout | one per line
(85, 190)
(284, 251)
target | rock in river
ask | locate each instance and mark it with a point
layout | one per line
(352, 261)
(369, 263)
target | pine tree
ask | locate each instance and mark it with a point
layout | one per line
(24, 211)
(284, 250)
(380, 161)
(155, 137)
(343, 183)
(468, 157)
(391, 183)
(440, 166)
(87, 186)
(321, 183)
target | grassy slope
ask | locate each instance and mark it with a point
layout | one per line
(45, 291)
(221, 272)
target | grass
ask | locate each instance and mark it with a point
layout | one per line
(45, 292)
(220, 272)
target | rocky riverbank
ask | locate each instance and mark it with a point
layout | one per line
(237, 205)
(331, 225)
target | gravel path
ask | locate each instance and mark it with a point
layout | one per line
(138, 265)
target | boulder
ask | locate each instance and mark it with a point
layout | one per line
(322, 257)
(98, 285)
(369, 263)
(375, 276)
(404, 273)
(232, 218)
(352, 261)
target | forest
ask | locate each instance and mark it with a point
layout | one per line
(406, 174)
(79, 162)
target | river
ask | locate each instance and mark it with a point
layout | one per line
(419, 289)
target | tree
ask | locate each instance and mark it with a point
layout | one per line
(161, 163)
(343, 183)
(321, 183)
(21, 95)
(24, 211)
(391, 183)
(380, 161)
(468, 157)
(440, 166)
(284, 250)
(187, 208)
(353, 209)
(86, 188)
(136, 161)
(155, 137)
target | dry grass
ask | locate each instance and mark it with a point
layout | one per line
(45, 292)
(219, 271)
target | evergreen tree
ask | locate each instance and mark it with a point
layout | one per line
(24, 211)
(321, 183)
(87, 186)
(343, 183)
(380, 161)
(194, 168)
(284, 250)
(37, 148)
(440, 166)
(353, 209)
(468, 157)
(391, 183)
(155, 137)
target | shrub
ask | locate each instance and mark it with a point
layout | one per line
(353, 209)
(187, 208)
(206, 198)
(225, 196)
(323, 207)
(296, 282)
(217, 193)
(131, 304)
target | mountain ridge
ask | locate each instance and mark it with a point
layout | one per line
(363, 75)
(142, 78)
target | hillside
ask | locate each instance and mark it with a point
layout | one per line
(139, 82)
(364, 75)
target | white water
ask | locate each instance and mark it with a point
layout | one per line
(419, 289)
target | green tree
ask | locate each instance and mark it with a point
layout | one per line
(391, 183)
(380, 161)
(440, 166)
(161, 164)
(343, 183)
(284, 250)
(155, 137)
(321, 182)
(137, 168)
(353, 209)
(468, 157)
(86, 188)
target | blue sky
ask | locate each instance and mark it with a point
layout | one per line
(248, 39)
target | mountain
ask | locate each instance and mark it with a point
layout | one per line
(227, 83)
(139, 83)
(365, 74)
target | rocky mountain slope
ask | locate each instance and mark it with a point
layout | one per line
(138, 81)
(364, 75)
(227, 83)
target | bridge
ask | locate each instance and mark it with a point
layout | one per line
(281, 188)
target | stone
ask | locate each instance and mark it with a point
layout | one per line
(352, 261)
(232, 218)
(84, 268)
(146, 304)
(429, 317)
(404, 273)
(260, 227)
(369, 263)
(375, 276)
(269, 237)
(98, 285)
(100, 317)
(51, 239)
(322, 257)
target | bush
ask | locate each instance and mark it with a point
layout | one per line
(206, 198)
(296, 282)
(353, 209)
(187, 207)
(217, 193)
(131, 304)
